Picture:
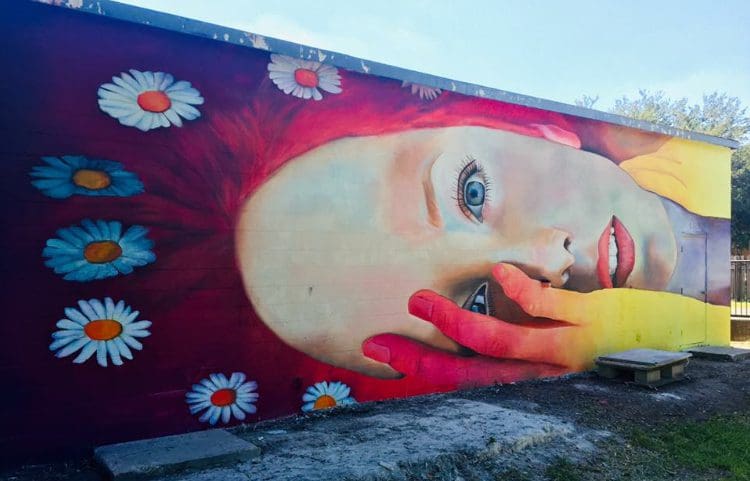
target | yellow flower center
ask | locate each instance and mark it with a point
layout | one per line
(223, 397)
(103, 329)
(101, 252)
(306, 77)
(154, 101)
(91, 179)
(324, 402)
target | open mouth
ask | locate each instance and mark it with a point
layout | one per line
(616, 255)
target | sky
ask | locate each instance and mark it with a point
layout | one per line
(553, 49)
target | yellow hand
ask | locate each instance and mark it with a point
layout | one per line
(692, 174)
(612, 320)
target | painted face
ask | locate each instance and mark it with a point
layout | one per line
(334, 244)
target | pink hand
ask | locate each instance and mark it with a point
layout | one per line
(446, 370)
(507, 351)
(495, 337)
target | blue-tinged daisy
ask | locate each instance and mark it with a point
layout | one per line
(223, 398)
(105, 328)
(303, 78)
(425, 92)
(78, 175)
(149, 100)
(325, 396)
(97, 250)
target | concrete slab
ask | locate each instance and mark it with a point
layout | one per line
(376, 441)
(149, 458)
(648, 358)
(720, 353)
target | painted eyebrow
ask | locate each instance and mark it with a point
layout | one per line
(433, 211)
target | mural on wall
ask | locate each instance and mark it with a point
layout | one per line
(325, 237)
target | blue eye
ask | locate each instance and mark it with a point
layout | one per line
(474, 194)
(472, 188)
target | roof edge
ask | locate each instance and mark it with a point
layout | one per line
(175, 23)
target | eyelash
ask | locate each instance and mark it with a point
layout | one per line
(469, 168)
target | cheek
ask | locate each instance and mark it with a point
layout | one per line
(459, 260)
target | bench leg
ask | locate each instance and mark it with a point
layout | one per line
(647, 377)
(607, 371)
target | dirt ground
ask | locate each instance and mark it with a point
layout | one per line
(591, 421)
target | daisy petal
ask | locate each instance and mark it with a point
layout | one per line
(73, 347)
(63, 341)
(85, 353)
(101, 353)
(114, 353)
(237, 412)
(124, 349)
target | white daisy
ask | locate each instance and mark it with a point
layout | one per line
(148, 100)
(98, 250)
(303, 78)
(424, 92)
(324, 396)
(223, 398)
(107, 329)
(78, 175)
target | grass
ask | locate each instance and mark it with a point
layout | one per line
(563, 470)
(721, 443)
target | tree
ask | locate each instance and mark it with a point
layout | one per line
(720, 115)
(741, 198)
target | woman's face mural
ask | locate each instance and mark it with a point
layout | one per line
(334, 244)
(194, 246)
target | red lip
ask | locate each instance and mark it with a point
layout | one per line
(625, 256)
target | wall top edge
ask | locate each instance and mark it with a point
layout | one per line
(166, 21)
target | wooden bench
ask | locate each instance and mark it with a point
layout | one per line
(645, 367)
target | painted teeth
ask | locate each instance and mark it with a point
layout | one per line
(477, 302)
(612, 252)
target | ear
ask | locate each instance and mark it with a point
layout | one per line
(559, 135)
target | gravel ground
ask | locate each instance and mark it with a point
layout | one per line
(583, 420)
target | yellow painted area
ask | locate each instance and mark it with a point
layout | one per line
(696, 175)
(619, 319)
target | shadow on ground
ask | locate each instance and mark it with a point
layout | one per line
(576, 428)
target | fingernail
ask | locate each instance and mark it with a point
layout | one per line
(420, 306)
(500, 272)
(377, 352)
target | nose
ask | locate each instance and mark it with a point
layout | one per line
(546, 257)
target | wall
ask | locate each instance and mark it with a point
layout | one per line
(198, 233)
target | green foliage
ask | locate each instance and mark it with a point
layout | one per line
(720, 115)
(587, 101)
(741, 197)
(721, 443)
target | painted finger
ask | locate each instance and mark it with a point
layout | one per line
(448, 371)
(538, 299)
(494, 337)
